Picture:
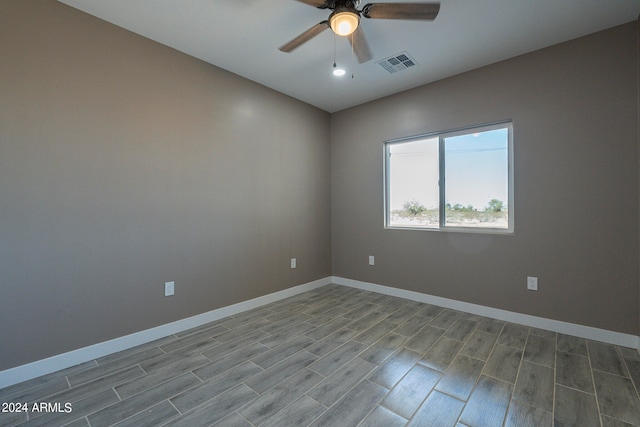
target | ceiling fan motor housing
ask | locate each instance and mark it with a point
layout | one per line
(335, 4)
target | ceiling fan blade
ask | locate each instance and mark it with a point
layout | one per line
(419, 11)
(305, 37)
(360, 45)
(314, 3)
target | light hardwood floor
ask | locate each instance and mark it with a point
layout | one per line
(339, 356)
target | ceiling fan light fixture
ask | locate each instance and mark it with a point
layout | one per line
(344, 22)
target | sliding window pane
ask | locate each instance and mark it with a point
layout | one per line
(477, 179)
(412, 169)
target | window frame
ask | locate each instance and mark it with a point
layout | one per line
(442, 135)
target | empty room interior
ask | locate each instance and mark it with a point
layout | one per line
(199, 228)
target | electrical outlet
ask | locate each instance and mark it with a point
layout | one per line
(532, 283)
(169, 288)
(372, 260)
(293, 263)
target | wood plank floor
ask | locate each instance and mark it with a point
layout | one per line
(338, 356)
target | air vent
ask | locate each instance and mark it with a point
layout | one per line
(398, 62)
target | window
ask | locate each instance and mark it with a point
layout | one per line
(456, 180)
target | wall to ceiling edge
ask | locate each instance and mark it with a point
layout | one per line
(574, 108)
(125, 164)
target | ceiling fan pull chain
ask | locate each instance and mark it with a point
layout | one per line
(353, 64)
(335, 66)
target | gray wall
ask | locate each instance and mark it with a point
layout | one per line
(125, 164)
(575, 114)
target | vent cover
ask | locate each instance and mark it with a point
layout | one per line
(398, 62)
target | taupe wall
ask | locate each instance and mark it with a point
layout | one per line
(125, 164)
(574, 108)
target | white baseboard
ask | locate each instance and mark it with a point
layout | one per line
(65, 360)
(602, 335)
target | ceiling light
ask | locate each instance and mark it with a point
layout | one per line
(339, 72)
(344, 21)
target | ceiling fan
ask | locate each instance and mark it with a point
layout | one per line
(344, 20)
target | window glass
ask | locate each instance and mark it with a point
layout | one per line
(451, 180)
(477, 179)
(414, 197)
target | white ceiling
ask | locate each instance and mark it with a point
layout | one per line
(243, 36)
